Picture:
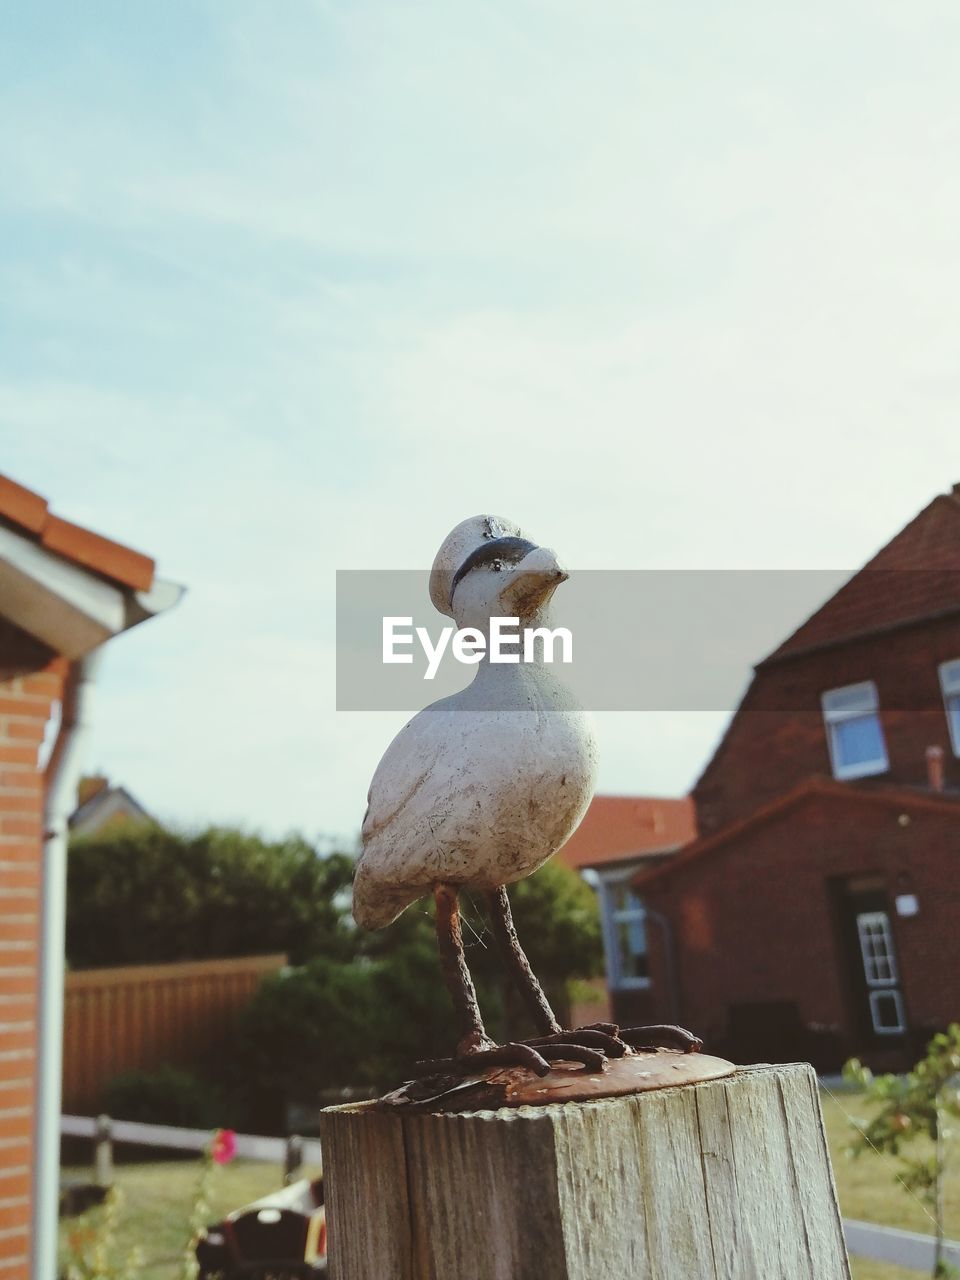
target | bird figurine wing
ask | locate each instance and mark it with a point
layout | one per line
(478, 799)
(403, 770)
(401, 794)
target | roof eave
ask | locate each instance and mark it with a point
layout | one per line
(70, 609)
(895, 797)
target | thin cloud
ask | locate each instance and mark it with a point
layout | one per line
(291, 291)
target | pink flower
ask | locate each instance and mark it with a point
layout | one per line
(223, 1147)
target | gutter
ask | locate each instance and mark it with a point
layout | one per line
(63, 776)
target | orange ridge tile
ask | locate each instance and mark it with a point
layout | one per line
(22, 506)
(98, 553)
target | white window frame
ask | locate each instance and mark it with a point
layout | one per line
(607, 880)
(950, 688)
(873, 926)
(887, 993)
(833, 716)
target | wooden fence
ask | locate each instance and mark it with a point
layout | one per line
(148, 1015)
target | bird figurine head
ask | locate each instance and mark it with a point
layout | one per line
(486, 566)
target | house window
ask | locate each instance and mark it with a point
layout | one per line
(880, 971)
(624, 931)
(854, 733)
(876, 947)
(950, 684)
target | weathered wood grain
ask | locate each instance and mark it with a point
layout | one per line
(724, 1180)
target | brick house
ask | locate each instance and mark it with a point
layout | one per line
(64, 592)
(619, 837)
(816, 914)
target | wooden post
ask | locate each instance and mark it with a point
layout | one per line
(724, 1180)
(103, 1152)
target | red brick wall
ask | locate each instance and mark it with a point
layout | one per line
(753, 921)
(777, 737)
(30, 682)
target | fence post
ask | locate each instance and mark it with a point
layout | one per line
(727, 1179)
(103, 1152)
(293, 1159)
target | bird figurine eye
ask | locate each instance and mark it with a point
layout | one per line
(497, 566)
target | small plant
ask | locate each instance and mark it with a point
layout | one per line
(913, 1106)
(92, 1252)
(222, 1149)
(93, 1248)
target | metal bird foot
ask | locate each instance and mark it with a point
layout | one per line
(591, 1049)
(450, 1090)
(661, 1036)
(615, 1041)
(591, 1046)
(477, 1061)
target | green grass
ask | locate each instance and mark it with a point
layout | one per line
(867, 1185)
(863, 1269)
(159, 1196)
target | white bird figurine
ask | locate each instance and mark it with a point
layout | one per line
(480, 789)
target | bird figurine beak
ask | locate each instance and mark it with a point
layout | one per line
(531, 583)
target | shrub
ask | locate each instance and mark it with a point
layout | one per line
(329, 1026)
(168, 1095)
(145, 895)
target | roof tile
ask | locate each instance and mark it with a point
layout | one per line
(98, 553)
(22, 507)
(617, 828)
(916, 575)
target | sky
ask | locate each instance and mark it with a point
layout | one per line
(292, 288)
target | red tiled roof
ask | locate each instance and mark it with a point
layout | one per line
(916, 575)
(909, 798)
(617, 828)
(30, 514)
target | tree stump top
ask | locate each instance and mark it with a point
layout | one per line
(728, 1179)
(636, 1072)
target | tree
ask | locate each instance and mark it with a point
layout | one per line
(558, 922)
(143, 894)
(911, 1108)
(330, 1025)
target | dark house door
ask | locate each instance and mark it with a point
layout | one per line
(873, 971)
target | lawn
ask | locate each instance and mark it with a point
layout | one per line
(158, 1197)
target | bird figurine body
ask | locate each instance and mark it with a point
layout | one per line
(480, 789)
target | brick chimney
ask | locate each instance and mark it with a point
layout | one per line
(935, 768)
(91, 786)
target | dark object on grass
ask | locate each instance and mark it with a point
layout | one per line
(78, 1197)
(283, 1236)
